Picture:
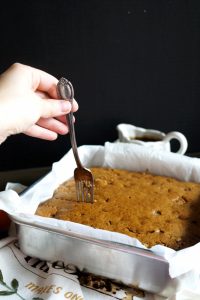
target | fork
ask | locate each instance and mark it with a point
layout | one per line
(83, 177)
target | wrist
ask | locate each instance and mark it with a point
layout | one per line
(6, 125)
(4, 132)
(2, 139)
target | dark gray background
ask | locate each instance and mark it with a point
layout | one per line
(130, 61)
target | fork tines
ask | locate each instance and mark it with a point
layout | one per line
(84, 191)
(84, 185)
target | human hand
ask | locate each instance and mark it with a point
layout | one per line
(29, 104)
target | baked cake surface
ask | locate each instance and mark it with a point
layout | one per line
(154, 209)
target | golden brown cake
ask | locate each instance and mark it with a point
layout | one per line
(154, 209)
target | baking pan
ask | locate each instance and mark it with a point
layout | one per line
(127, 264)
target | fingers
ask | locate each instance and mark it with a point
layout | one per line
(32, 95)
(41, 133)
(48, 129)
(54, 108)
(75, 106)
(29, 78)
(54, 125)
(63, 119)
(44, 82)
(42, 95)
(40, 80)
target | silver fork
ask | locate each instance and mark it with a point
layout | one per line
(83, 177)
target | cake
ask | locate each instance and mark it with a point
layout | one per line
(154, 209)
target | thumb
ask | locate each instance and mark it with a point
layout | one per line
(54, 108)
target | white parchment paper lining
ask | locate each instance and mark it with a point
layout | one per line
(116, 155)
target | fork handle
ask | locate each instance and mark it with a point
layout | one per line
(73, 138)
(66, 91)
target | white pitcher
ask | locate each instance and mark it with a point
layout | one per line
(154, 139)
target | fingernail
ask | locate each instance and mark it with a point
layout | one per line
(65, 106)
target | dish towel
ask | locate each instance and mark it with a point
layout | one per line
(27, 278)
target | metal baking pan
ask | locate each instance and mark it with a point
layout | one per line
(126, 264)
